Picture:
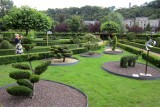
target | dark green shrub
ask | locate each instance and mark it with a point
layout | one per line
(129, 60)
(90, 37)
(33, 57)
(41, 68)
(28, 47)
(158, 41)
(21, 66)
(20, 75)
(19, 91)
(61, 52)
(5, 45)
(34, 78)
(24, 82)
(26, 41)
(91, 46)
(114, 42)
(131, 36)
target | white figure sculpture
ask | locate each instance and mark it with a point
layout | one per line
(149, 44)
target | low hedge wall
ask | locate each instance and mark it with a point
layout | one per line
(152, 58)
(153, 49)
(34, 50)
(20, 57)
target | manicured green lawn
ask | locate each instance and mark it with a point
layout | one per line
(103, 89)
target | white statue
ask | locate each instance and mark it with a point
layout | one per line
(149, 44)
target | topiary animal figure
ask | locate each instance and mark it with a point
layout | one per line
(114, 41)
(26, 80)
(128, 61)
(61, 52)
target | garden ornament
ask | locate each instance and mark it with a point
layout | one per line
(149, 44)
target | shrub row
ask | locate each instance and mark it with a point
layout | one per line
(34, 50)
(153, 49)
(130, 49)
(21, 57)
(152, 58)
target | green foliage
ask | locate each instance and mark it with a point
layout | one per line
(148, 27)
(19, 75)
(21, 66)
(19, 91)
(28, 47)
(33, 57)
(61, 52)
(90, 37)
(26, 41)
(128, 60)
(115, 17)
(27, 18)
(131, 36)
(114, 42)
(91, 46)
(147, 38)
(5, 45)
(158, 42)
(34, 78)
(152, 59)
(110, 27)
(41, 68)
(24, 82)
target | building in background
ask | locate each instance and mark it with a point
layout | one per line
(142, 22)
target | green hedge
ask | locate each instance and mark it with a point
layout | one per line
(152, 58)
(34, 50)
(21, 57)
(130, 48)
(153, 49)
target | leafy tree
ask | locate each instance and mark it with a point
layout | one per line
(148, 27)
(94, 27)
(135, 29)
(26, 18)
(116, 17)
(110, 27)
(62, 27)
(75, 23)
(5, 5)
(114, 42)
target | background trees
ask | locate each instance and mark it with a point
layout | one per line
(26, 18)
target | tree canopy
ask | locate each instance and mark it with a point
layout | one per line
(26, 18)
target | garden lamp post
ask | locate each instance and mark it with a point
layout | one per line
(48, 32)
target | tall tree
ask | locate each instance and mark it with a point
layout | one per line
(5, 5)
(27, 18)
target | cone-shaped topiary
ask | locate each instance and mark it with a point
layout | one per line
(25, 79)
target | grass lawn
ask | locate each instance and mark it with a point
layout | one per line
(103, 89)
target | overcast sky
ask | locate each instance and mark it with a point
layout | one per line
(45, 4)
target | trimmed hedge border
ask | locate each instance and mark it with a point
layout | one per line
(34, 50)
(153, 49)
(152, 58)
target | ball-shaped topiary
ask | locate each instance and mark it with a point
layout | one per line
(5, 45)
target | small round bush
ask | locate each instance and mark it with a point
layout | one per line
(21, 66)
(5, 45)
(34, 78)
(40, 69)
(20, 75)
(19, 91)
(24, 82)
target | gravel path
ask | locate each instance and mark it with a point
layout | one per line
(110, 51)
(47, 94)
(114, 67)
(95, 55)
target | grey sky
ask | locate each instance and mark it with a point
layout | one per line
(45, 4)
